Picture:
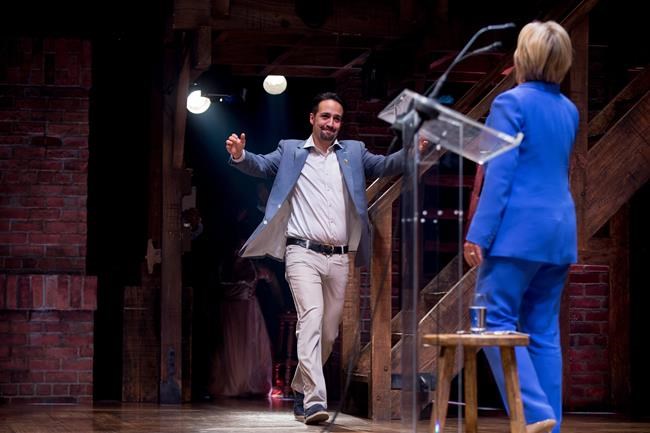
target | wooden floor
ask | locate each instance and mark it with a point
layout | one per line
(244, 416)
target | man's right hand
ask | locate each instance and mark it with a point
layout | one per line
(235, 145)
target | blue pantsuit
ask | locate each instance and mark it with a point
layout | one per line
(526, 227)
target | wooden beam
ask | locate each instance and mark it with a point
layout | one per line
(350, 332)
(578, 92)
(220, 8)
(620, 104)
(380, 310)
(619, 310)
(357, 18)
(202, 51)
(618, 165)
(190, 14)
(174, 116)
(347, 68)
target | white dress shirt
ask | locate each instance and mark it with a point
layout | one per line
(319, 200)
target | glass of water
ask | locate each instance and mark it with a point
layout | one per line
(477, 313)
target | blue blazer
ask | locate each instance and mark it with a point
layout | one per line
(285, 164)
(526, 210)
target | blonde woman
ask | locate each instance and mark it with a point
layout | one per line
(523, 235)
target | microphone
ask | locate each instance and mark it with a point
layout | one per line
(462, 55)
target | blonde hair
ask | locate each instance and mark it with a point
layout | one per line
(543, 52)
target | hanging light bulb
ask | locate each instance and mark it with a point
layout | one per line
(196, 103)
(275, 84)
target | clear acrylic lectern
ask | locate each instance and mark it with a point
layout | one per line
(417, 117)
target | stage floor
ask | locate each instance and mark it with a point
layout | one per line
(245, 416)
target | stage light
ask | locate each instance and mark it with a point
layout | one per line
(196, 103)
(275, 84)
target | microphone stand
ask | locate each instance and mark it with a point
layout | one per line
(421, 109)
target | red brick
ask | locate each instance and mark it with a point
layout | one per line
(61, 377)
(24, 295)
(599, 289)
(14, 189)
(27, 250)
(78, 340)
(78, 142)
(26, 389)
(60, 227)
(27, 352)
(597, 316)
(86, 400)
(43, 389)
(20, 226)
(63, 353)
(76, 288)
(45, 215)
(81, 389)
(38, 290)
(86, 351)
(11, 293)
(47, 164)
(3, 292)
(20, 374)
(57, 292)
(86, 377)
(14, 339)
(90, 293)
(78, 365)
(44, 364)
(60, 389)
(62, 153)
(45, 340)
(69, 238)
(585, 302)
(60, 326)
(8, 389)
(39, 238)
(46, 316)
(51, 202)
(586, 328)
(30, 153)
(62, 251)
(14, 213)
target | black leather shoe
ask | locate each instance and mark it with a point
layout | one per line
(316, 414)
(298, 406)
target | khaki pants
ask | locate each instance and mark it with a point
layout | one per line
(318, 285)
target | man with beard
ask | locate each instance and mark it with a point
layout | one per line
(316, 212)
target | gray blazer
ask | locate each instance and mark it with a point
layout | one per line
(285, 164)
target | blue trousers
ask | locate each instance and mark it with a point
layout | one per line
(525, 296)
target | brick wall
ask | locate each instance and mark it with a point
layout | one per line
(46, 301)
(589, 381)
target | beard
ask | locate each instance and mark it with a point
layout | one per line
(327, 135)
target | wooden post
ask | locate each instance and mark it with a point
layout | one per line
(174, 116)
(578, 92)
(380, 310)
(577, 82)
(619, 309)
(350, 331)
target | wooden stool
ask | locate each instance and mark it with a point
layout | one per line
(471, 343)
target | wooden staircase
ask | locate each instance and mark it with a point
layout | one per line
(617, 164)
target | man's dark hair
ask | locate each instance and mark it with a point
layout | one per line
(324, 97)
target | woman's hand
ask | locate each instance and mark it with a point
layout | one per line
(473, 254)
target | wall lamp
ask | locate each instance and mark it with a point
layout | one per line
(199, 102)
